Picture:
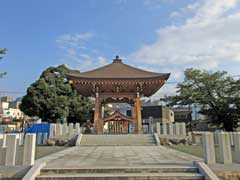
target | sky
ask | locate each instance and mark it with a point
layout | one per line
(165, 36)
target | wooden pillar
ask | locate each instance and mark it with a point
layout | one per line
(97, 115)
(135, 123)
(139, 114)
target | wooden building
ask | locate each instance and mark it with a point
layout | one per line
(118, 83)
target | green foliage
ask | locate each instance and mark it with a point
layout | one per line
(53, 99)
(2, 52)
(217, 92)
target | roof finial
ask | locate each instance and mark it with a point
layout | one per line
(117, 60)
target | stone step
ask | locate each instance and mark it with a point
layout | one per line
(151, 169)
(123, 176)
(118, 140)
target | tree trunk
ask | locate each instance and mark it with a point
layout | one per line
(228, 125)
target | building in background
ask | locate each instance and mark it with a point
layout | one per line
(156, 111)
(182, 114)
(11, 117)
(6, 99)
(153, 112)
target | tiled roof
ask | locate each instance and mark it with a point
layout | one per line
(117, 69)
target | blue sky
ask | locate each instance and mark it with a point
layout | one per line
(157, 35)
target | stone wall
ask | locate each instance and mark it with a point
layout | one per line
(15, 149)
(171, 129)
(58, 130)
(226, 141)
(64, 129)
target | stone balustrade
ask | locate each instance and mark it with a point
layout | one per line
(15, 149)
(64, 129)
(57, 130)
(171, 129)
(226, 143)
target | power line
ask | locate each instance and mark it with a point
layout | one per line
(11, 92)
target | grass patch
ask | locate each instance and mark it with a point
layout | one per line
(195, 150)
(42, 151)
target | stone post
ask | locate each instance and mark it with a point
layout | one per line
(52, 130)
(59, 129)
(29, 149)
(158, 128)
(45, 138)
(216, 138)
(77, 126)
(2, 155)
(225, 148)
(150, 122)
(183, 129)
(231, 138)
(39, 138)
(11, 144)
(20, 138)
(164, 128)
(190, 138)
(171, 132)
(19, 156)
(208, 148)
(3, 140)
(177, 129)
(236, 138)
(70, 128)
(3, 150)
(65, 129)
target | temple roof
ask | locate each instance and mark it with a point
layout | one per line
(118, 78)
(118, 116)
(119, 70)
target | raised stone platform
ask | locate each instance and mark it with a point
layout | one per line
(124, 176)
(118, 140)
(121, 162)
(98, 156)
(120, 157)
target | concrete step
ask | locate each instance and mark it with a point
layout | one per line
(123, 176)
(118, 140)
(151, 169)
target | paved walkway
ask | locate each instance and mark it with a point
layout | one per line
(99, 156)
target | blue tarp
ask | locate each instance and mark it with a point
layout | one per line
(38, 128)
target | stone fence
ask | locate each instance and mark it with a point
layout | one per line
(195, 137)
(229, 147)
(64, 129)
(171, 129)
(57, 130)
(17, 150)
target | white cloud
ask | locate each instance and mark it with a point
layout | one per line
(156, 3)
(75, 37)
(76, 54)
(207, 39)
(73, 41)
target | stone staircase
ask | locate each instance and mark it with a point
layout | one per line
(160, 172)
(118, 140)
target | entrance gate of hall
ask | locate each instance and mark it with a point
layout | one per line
(117, 123)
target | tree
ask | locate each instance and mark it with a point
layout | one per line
(79, 107)
(2, 52)
(53, 99)
(216, 92)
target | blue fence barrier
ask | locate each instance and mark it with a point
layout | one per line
(38, 128)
